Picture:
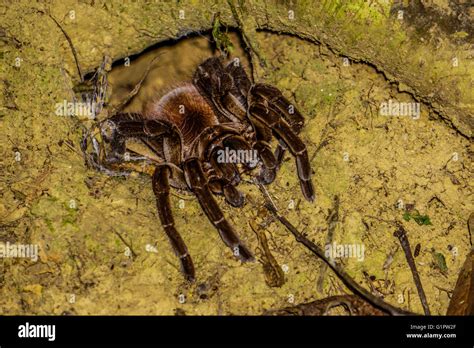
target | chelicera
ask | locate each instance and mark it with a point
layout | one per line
(182, 136)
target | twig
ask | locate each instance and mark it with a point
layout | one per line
(401, 234)
(383, 220)
(70, 145)
(353, 304)
(250, 47)
(346, 279)
(129, 246)
(332, 221)
(81, 76)
(320, 146)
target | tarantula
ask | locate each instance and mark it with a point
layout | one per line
(187, 130)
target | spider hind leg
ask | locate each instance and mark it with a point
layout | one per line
(198, 184)
(161, 188)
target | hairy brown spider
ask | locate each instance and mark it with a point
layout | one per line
(184, 135)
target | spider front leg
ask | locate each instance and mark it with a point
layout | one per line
(263, 136)
(269, 168)
(271, 112)
(198, 184)
(272, 95)
(223, 187)
(221, 183)
(222, 173)
(109, 162)
(161, 188)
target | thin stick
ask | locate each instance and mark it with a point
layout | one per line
(251, 48)
(129, 246)
(346, 279)
(401, 234)
(332, 221)
(81, 76)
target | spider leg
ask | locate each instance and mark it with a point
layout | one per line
(233, 196)
(226, 89)
(240, 92)
(213, 147)
(225, 175)
(214, 83)
(290, 113)
(268, 171)
(198, 183)
(161, 188)
(270, 115)
(124, 126)
(263, 136)
(280, 153)
(239, 144)
(242, 83)
(209, 147)
(224, 169)
(272, 94)
(222, 186)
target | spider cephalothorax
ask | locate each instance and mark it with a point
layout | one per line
(201, 136)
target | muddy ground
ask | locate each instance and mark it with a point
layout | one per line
(102, 249)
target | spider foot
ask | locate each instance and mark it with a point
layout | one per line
(187, 268)
(233, 196)
(266, 176)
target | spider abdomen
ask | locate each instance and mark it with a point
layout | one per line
(186, 109)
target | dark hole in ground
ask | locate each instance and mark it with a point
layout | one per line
(176, 64)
